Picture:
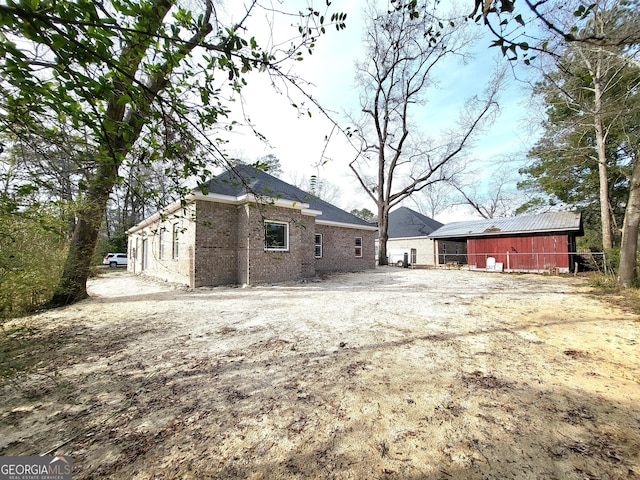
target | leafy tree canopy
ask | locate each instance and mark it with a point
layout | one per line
(365, 214)
(133, 81)
(564, 162)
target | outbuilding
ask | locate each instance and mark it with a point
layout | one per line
(525, 243)
(408, 237)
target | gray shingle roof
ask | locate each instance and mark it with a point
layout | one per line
(523, 224)
(248, 180)
(406, 223)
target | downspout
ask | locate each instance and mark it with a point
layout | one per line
(192, 266)
(248, 251)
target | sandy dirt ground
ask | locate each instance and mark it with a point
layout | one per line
(394, 373)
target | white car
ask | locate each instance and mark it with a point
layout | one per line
(115, 260)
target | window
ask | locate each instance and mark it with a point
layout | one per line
(175, 241)
(318, 244)
(276, 236)
(162, 240)
(145, 254)
(358, 246)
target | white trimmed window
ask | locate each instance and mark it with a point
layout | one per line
(162, 240)
(318, 245)
(175, 243)
(358, 247)
(276, 236)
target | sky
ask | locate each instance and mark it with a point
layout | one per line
(299, 141)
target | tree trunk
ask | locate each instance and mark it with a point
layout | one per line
(77, 267)
(122, 129)
(603, 175)
(629, 245)
(603, 171)
(383, 234)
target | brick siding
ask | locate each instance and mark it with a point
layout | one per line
(177, 270)
(256, 265)
(338, 250)
(216, 244)
(225, 245)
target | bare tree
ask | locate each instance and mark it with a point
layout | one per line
(395, 159)
(495, 199)
(323, 189)
(317, 186)
(434, 199)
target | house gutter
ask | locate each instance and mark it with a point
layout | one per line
(276, 202)
(227, 199)
(421, 237)
(162, 213)
(345, 225)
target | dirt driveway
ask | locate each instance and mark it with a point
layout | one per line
(407, 374)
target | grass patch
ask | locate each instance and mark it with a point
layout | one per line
(606, 288)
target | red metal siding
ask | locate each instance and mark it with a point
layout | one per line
(521, 253)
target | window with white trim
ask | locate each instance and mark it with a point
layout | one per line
(276, 236)
(162, 240)
(358, 247)
(175, 243)
(318, 245)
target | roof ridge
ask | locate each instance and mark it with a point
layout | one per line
(422, 217)
(256, 181)
(519, 224)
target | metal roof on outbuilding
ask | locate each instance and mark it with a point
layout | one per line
(247, 180)
(519, 225)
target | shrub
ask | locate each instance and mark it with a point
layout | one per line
(613, 258)
(32, 253)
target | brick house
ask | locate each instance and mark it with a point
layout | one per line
(248, 227)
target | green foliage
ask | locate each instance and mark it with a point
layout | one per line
(115, 243)
(606, 284)
(612, 256)
(564, 167)
(142, 82)
(364, 213)
(270, 164)
(511, 23)
(592, 239)
(32, 250)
